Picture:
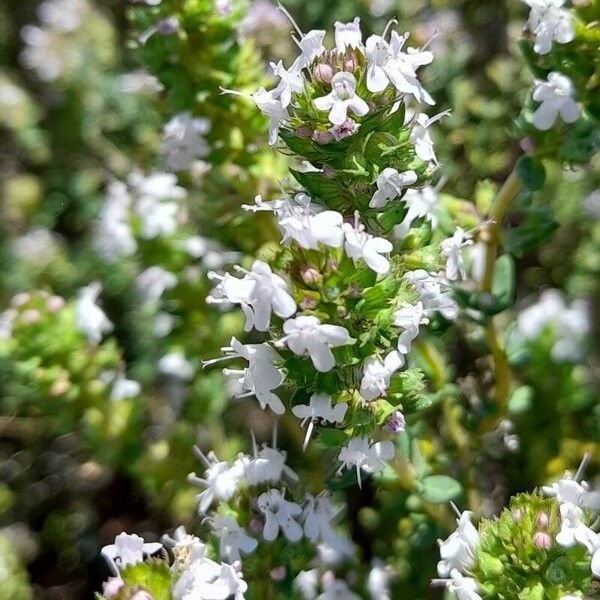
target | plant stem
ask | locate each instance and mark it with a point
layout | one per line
(506, 195)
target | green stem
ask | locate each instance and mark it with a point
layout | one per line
(506, 195)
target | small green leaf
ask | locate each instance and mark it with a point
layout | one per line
(520, 401)
(439, 489)
(531, 173)
(503, 284)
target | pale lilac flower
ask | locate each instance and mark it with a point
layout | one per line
(365, 456)
(549, 22)
(458, 550)
(319, 408)
(280, 514)
(205, 579)
(124, 388)
(186, 548)
(267, 466)
(573, 530)
(290, 82)
(336, 589)
(556, 98)
(388, 63)
(309, 230)
(127, 550)
(260, 377)
(344, 130)
(420, 138)
(175, 365)
(182, 140)
(465, 588)
(421, 204)
(409, 318)
(433, 293)
(377, 374)
(390, 185)
(348, 35)
(378, 581)
(342, 99)
(220, 480)
(232, 539)
(153, 282)
(305, 335)
(451, 250)
(360, 245)
(90, 320)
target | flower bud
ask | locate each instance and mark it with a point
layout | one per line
(322, 137)
(541, 521)
(395, 423)
(112, 587)
(54, 304)
(527, 145)
(30, 316)
(303, 132)
(20, 299)
(278, 573)
(168, 26)
(256, 526)
(309, 274)
(351, 62)
(517, 515)
(307, 303)
(542, 540)
(323, 73)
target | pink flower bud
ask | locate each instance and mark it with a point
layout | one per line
(54, 304)
(278, 573)
(309, 274)
(541, 521)
(307, 303)
(351, 63)
(303, 132)
(527, 145)
(20, 299)
(30, 316)
(323, 73)
(256, 526)
(542, 540)
(322, 137)
(112, 587)
(517, 515)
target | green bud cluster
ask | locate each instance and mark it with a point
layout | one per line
(518, 556)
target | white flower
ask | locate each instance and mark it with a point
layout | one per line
(556, 97)
(232, 539)
(388, 63)
(124, 388)
(341, 99)
(409, 318)
(174, 364)
(309, 231)
(261, 376)
(319, 408)
(307, 583)
(279, 514)
(363, 455)
(348, 35)
(567, 490)
(465, 588)
(457, 551)
(433, 294)
(182, 142)
(360, 245)
(89, 317)
(186, 548)
(378, 581)
(549, 22)
(153, 282)
(268, 466)
(305, 335)
(573, 530)
(272, 108)
(139, 82)
(220, 480)
(260, 292)
(595, 564)
(311, 46)
(420, 138)
(451, 250)
(291, 81)
(205, 579)
(390, 184)
(113, 237)
(127, 550)
(377, 374)
(158, 203)
(336, 589)
(420, 203)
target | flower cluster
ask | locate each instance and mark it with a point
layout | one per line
(543, 545)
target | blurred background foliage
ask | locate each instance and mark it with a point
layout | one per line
(79, 110)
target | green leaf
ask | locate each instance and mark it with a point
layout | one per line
(533, 593)
(520, 400)
(537, 226)
(439, 489)
(503, 283)
(531, 172)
